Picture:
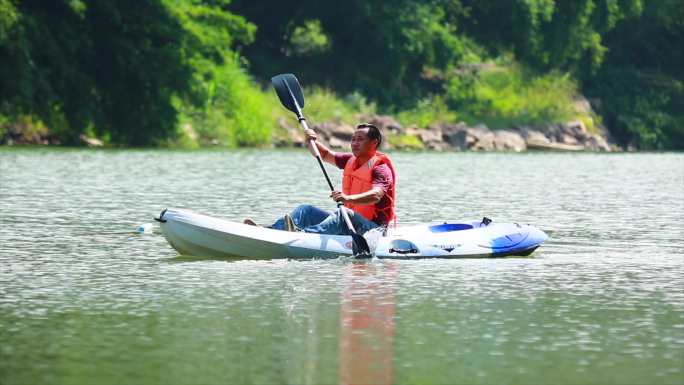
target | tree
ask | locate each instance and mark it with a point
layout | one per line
(382, 49)
(110, 68)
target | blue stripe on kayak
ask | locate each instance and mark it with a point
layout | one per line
(508, 241)
(446, 227)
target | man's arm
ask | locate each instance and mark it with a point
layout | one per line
(369, 197)
(382, 182)
(326, 154)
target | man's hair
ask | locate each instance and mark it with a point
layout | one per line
(373, 132)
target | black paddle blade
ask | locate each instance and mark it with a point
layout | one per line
(289, 92)
(360, 247)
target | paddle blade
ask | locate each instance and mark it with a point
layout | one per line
(289, 92)
(360, 247)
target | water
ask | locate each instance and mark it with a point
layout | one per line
(86, 299)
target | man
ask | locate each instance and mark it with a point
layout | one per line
(368, 188)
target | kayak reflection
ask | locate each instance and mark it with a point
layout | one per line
(367, 324)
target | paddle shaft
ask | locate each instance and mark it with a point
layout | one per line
(302, 121)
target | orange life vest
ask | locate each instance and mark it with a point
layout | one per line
(357, 179)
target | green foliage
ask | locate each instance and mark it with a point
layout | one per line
(8, 18)
(77, 64)
(644, 109)
(324, 105)
(223, 106)
(547, 34)
(405, 142)
(429, 110)
(641, 83)
(379, 49)
(23, 129)
(115, 68)
(308, 39)
(506, 96)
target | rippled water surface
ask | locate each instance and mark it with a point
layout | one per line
(84, 299)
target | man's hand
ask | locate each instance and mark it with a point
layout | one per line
(310, 134)
(339, 196)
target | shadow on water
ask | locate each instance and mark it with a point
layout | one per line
(190, 258)
(340, 259)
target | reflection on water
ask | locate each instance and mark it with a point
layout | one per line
(367, 324)
(84, 299)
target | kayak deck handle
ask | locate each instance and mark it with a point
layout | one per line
(161, 217)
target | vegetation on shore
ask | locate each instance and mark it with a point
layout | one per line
(194, 73)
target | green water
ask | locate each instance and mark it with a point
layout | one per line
(84, 299)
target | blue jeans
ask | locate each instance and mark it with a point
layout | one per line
(311, 219)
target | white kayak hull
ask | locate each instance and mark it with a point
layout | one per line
(200, 235)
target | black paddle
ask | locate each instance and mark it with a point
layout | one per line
(290, 93)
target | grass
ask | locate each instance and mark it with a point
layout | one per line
(405, 142)
(509, 96)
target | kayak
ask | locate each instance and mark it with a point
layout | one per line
(199, 235)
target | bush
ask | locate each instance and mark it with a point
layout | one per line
(405, 142)
(235, 112)
(506, 96)
(324, 105)
(427, 111)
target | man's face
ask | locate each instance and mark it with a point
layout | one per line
(361, 144)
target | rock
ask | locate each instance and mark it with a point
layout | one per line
(553, 137)
(431, 137)
(569, 136)
(597, 143)
(337, 143)
(554, 132)
(438, 146)
(90, 142)
(509, 140)
(475, 138)
(294, 137)
(575, 129)
(568, 139)
(283, 123)
(336, 135)
(383, 122)
(342, 131)
(553, 146)
(453, 134)
(324, 130)
(535, 136)
(459, 140)
(484, 141)
(581, 105)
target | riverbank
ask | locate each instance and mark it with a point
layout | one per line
(570, 136)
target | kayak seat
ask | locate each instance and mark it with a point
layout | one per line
(446, 227)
